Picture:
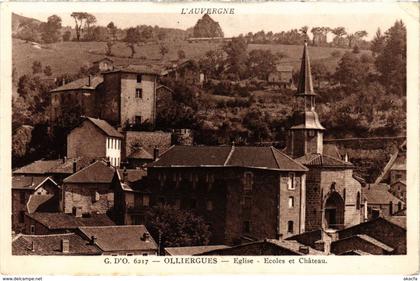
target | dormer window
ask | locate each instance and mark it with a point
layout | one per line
(138, 78)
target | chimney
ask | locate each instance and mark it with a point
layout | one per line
(304, 250)
(346, 158)
(92, 240)
(125, 175)
(155, 154)
(89, 78)
(146, 237)
(33, 246)
(65, 246)
(74, 166)
(64, 82)
(65, 159)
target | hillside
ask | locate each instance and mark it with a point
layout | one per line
(74, 55)
(18, 21)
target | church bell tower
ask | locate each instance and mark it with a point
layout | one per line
(306, 134)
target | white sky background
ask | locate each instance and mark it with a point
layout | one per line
(247, 17)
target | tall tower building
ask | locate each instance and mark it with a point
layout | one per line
(333, 196)
(306, 134)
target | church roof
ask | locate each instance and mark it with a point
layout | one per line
(311, 121)
(316, 159)
(305, 85)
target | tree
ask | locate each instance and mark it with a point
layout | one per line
(89, 21)
(79, 19)
(339, 33)
(319, 72)
(132, 39)
(378, 43)
(261, 63)
(391, 61)
(112, 28)
(163, 50)
(48, 70)
(109, 45)
(51, 29)
(177, 228)
(29, 31)
(351, 72)
(66, 36)
(36, 67)
(236, 51)
(212, 64)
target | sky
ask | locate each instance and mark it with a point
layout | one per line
(247, 18)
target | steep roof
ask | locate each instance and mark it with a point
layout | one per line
(49, 245)
(120, 237)
(97, 172)
(225, 156)
(55, 221)
(397, 159)
(81, 84)
(305, 85)
(331, 150)
(140, 153)
(29, 182)
(105, 127)
(193, 250)
(66, 166)
(38, 201)
(368, 239)
(379, 194)
(399, 219)
(316, 159)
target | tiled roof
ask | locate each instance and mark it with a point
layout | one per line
(225, 156)
(133, 175)
(355, 253)
(140, 69)
(56, 166)
(379, 194)
(105, 127)
(322, 160)
(331, 150)
(37, 200)
(368, 239)
(140, 153)
(49, 245)
(120, 237)
(82, 83)
(29, 182)
(193, 250)
(38, 167)
(97, 172)
(398, 167)
(400, 220)
(293, 245)
(67, 221)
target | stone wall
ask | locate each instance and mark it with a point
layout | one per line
(91, 198)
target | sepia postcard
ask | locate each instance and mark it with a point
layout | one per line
(163, 138)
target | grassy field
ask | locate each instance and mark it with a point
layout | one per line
(68, 57)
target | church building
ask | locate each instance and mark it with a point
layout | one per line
(333, 196)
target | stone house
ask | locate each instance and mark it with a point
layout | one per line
(241, 192)
(95, 138)
(30, 193)
(89, 191)
(45, 223)
(282, 75)
(104, 64)
(126, 240)
(129, 96)
(81, 94)
(378, 201)
(333, 195)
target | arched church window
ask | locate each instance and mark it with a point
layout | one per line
(358, 201)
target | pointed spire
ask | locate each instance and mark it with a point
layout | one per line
(305, 86)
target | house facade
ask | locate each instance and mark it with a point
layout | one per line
(242, 192)
(333, 195)
(95, 138)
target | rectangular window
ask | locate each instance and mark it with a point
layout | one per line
(247, 227)
(21, 216)
(22, 197)
(32, 229)
(146, 200)
(138, 78)
(139, 93)
(209, 205)
(290, 226)
(137, 119)
(291, 181)
(291, 202)
(248, 178)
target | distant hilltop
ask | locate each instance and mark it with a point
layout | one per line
(207, 27)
